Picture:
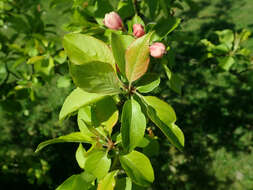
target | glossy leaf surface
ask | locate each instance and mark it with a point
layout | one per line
(133, 124)
(95, 77)
(119, 45)
(137, 58)
(108, 182)
(138, 168)
(72, 137)
(82, 49)
(76, 182)
(148, 83)
(163, 116)
(97, 163)
(77, 99)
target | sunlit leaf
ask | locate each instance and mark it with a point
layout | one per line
(77, 99)
(133, 124)
(97, 163)
(137, 58)
(82, 49)
(80, 156)
(138, 168)
(76, 182)
(72, 137)
(108, 182)
(119, 45)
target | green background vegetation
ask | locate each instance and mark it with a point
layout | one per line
(215, 109)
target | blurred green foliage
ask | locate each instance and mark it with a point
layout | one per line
(215, 106)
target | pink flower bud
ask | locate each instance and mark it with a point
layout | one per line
(113, 21)
(157, 50)
(138, 30)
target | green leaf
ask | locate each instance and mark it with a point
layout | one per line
(226, 62)
(226, 37)
(164, 27)
(105, 113)
(35, 59)
(123, 184)
(97, 163)
(77, 99)
(135, 20)
(84, 120)
(175, 83)
(164, 111)
(63, 82)
(76, 182)
(108, 182)
(126, 9)
(119, 45)
(164, 117)
(44, 66)
(133, 124)
(96, 77)
(138, 168)
(137, 58)
(80, 156)
(148, 83)
(82, 49)
(72, 137)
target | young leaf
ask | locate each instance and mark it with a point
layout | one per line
(77, 99)
(108, 182)
(72, 137)
(82, 49)
(123, 184)
(163, 116)
(95, 77)
(76, 182)
(97, 163)
(133, 124)
(80, 156)
(138, 168)
(119, 45)
(148, 83)
(84, 119)
(137, 58)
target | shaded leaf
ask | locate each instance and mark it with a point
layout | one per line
(123, 184)
(148, 83)
(96, 77)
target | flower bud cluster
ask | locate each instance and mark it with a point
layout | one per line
(113, 21)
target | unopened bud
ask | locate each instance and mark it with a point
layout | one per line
(157, 50)
(138, 30)
(113, 21)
